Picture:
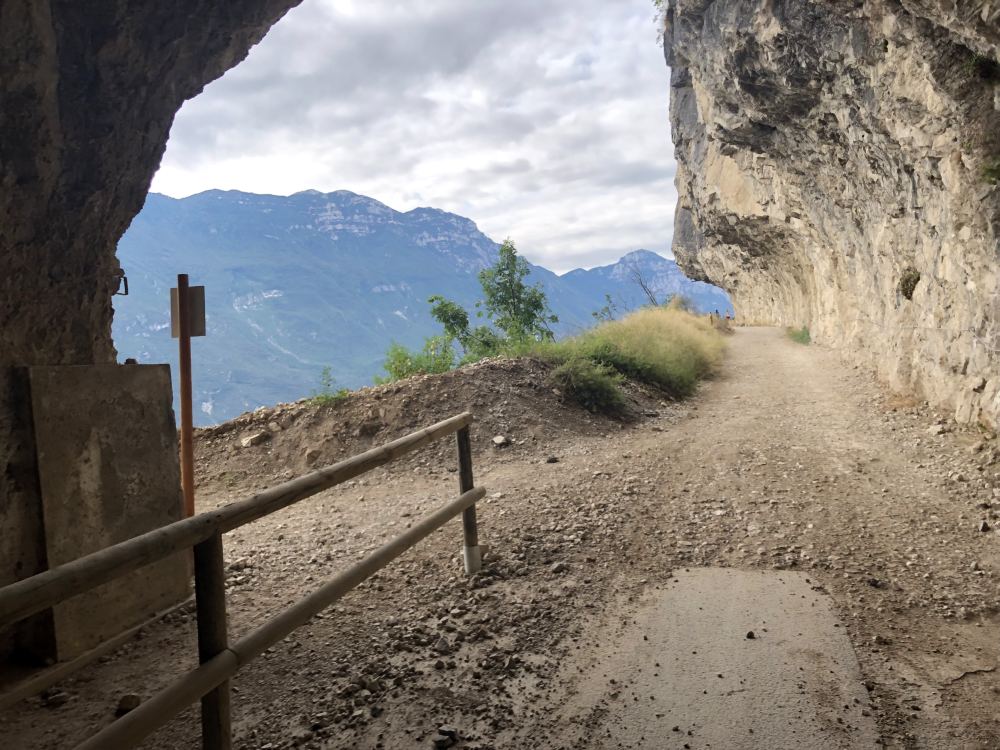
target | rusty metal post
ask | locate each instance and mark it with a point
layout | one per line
(471, 554)
(213, 639)
(187, 430)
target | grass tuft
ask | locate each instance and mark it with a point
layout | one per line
(328, 392)
(593, 386)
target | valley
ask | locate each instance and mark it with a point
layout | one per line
(299, 283)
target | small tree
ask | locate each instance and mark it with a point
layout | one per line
(519, 310)
(607, 312)
(478, 342)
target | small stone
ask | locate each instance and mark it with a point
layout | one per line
(256, 439)
(552, 460)
(751, 635)
(500, 441)
(442, 646)
(54, 698)
(983, 525)
(311, 456)
(559, 567)
(302, 734)
(936, 429)
(127, 703)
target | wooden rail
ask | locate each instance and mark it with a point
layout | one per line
(218, 659)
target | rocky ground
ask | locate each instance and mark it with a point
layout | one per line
(788, 460)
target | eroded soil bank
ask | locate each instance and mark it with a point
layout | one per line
(788, 460)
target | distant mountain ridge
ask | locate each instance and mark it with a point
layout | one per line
(298, 283)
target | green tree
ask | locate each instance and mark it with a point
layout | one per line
(452, 316)
(607, 312)
(519, 310)
(478, 342)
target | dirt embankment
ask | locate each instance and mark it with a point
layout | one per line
(787, 460)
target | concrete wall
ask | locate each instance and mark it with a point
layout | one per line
(108, 469)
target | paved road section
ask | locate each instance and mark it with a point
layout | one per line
(728, 659)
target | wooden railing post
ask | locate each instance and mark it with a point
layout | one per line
(213, 639)
(471, 554)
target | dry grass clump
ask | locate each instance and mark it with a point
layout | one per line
(664, 346)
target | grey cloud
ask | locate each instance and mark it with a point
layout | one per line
(525, 115)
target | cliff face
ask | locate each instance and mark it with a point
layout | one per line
(830, 154)
(88, 92)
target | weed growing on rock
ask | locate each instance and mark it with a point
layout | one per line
(800, 335)
(983, 67)
(991, 172)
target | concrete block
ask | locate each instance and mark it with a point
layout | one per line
(108, 468)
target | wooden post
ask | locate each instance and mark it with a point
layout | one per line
(136, 725)
(213, 639)
(471, 553)
(187, 435)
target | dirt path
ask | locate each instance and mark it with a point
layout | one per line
(788, 460)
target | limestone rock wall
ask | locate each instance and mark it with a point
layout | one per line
(831, 150)
(88, 92)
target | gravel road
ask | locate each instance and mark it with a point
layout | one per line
(788, 460)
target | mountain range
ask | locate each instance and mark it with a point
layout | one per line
(312, 280)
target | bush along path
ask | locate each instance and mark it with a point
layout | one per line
(786, 460)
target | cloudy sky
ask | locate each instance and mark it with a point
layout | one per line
(542, 120)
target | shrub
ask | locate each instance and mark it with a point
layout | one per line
(908, 282)
(328, 392)
(436, 356)
(594, 386)
(799, 335)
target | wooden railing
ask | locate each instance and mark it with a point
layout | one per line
(219, 659)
